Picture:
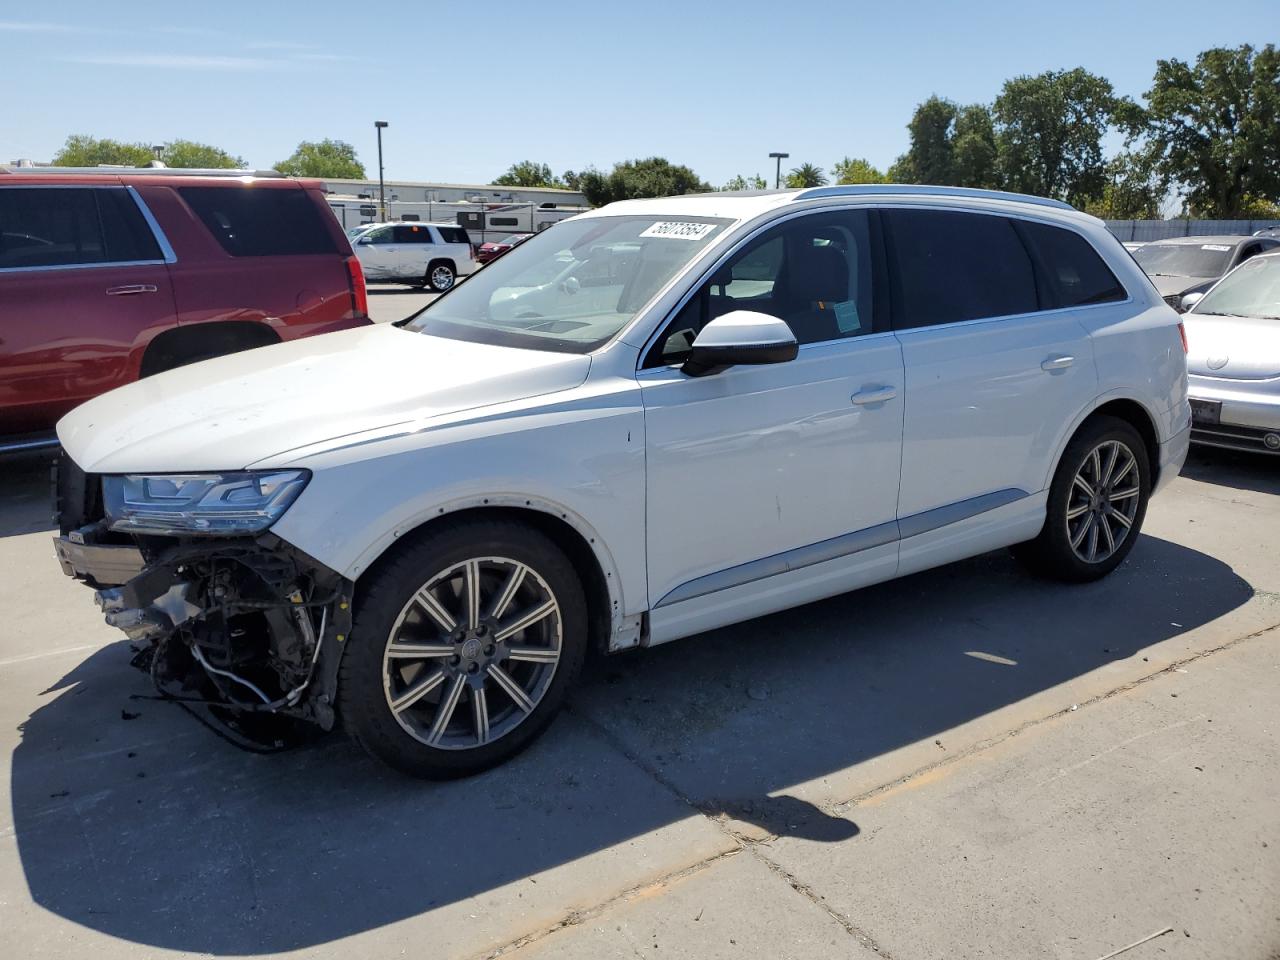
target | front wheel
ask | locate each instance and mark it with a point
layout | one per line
(1096, 506)
(463, 649)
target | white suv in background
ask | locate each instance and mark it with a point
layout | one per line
(662, 417)
(429, 254)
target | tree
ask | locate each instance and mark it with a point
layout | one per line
(327, 159)
(1050, 130)
(740, 182)
(930, 158)
(807, 175)
(526, 173)
(1134, 189)
(973, 148)
(630, 179)
(1215, 128)
(188, 153)
(856, 170)
(86, 151)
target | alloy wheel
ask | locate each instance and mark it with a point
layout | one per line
(441, 278)
(472, 653)
(1103, 502)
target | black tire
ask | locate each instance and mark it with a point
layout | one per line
(437, 270)
(1052, 554)
(364, 694)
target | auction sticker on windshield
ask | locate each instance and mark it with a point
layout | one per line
(1214, 246)
(676, 230)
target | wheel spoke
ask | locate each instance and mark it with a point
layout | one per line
(472, 585)
(1106, 532)
(1093, 537)
(419, 651)
(503, 600)
(435, 609)
(1111, 465)
(1124, 472)
(480, 714)
(1128, 524)
(526, 620)
(445, 713)
(1117, 495)
(1095, 460)
(417, 691)
(1082, 531)
(1084, 485)
(1077, 511)
(533, 654)
(511, 688)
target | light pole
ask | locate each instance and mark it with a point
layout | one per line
(777, 178)
(382, 193)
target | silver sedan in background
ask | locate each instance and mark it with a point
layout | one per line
(1233, 357)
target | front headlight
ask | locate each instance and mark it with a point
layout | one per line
(209, 504)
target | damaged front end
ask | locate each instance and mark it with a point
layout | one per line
(245, 630)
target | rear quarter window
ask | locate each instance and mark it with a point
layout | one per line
(454, 235)
(1071, 272)
(262, 222)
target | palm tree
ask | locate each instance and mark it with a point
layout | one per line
(807, 175)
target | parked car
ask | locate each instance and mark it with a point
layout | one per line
(428, 254)
(1186, 265)
(1233, 332)
(1132, 245)
(494, 249)
(106, 278)
(765, 400)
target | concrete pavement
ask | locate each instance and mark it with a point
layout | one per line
(964, 763)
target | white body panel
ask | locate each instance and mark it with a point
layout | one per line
(704, 500)
(382, 258)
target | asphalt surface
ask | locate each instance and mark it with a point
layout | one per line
(389, 302)
(965, 763)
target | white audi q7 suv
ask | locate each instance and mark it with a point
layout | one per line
(657, 418)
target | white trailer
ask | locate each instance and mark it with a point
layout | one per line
(483, 221)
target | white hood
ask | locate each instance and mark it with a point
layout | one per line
(227, 413)
(1232, 348)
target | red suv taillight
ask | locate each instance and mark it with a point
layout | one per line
(1182, 332)
(359, 295)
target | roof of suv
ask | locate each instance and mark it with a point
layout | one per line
(163, 176)
(1201, 239)
(741, 205)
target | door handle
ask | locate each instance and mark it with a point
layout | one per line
(1057, 363)
(874, 395)
(131, 288)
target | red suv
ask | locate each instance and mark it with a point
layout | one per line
(108, 277)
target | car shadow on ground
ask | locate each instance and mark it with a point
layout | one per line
(1238, 469)
(132, 820)
(26, 504)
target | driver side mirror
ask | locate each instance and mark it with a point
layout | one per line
(740, 337)
(364, 241)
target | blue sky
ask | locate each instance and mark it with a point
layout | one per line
(469, 88)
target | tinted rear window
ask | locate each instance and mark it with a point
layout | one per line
(454, 235)
(951, 266)
(1072, 273)
(65, 226)
(261, 222)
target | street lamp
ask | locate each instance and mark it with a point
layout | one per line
(777, 179)
(382, 193)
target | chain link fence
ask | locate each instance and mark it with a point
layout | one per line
(1142, 231)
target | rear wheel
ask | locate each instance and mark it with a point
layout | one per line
(1097, 502)
(441, 276)
(463, 649)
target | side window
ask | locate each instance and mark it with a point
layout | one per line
(49, 227)
(380, 235)
(1072, 274)
(124, 229)
(454, 234)
(261, 221)
(814, 272)
(410, 234)
(950, 266)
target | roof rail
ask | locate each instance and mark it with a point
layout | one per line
(113, 169)
(923, 190)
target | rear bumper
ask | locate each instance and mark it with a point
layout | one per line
(1173, 454)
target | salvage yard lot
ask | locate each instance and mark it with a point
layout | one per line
(968, 762)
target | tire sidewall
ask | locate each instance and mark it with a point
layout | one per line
(362, 700)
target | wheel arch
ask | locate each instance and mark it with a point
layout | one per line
(175, 345)
(1123, 407)
(601, 582)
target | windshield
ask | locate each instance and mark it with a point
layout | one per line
(356, 231)
(1184, 259)
(569, 289)
(1251, 290)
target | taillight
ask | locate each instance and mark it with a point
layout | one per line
(359, 296)
(1182, 332)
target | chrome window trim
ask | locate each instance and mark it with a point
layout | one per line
(893, 531)
(166, 251)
